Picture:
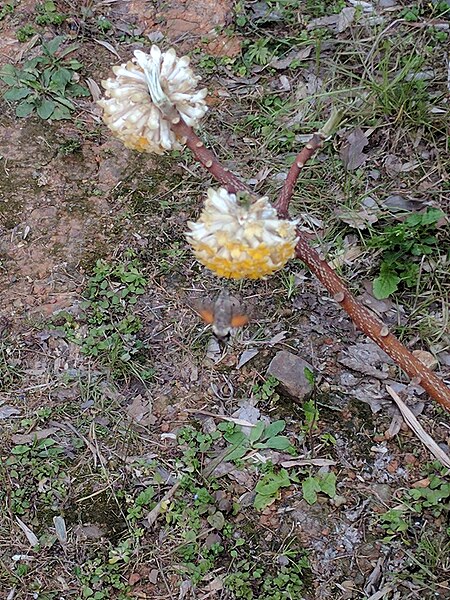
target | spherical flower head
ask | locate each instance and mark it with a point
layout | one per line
(238, 239)
(137, 100)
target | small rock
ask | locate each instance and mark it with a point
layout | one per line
(426, 358)
(382, 491)
(289, 369)
(339, 501)
(213, 538)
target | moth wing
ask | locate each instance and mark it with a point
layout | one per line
(206, 313)
(239, 320)
(204, 308)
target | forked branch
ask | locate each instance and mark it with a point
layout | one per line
(362, 317)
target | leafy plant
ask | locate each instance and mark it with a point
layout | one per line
(261, 436)
(7, 9)
(433, 498)
(403, 244)
(436, 496)
(266, 390)
(45, 83)
(325, 483)
(268, 488)
(393, 522)
(48, 14)
(104, 24)
(258, 52)
(311, 415)
(41, 461)
(111, 331)
(25, 32)
(252, 581)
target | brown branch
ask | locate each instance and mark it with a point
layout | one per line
(205, 157)
(373, 327)
(316, 142)
(363, 318)
(282, 203)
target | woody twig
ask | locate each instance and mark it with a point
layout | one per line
(361, 316)
(208, 159)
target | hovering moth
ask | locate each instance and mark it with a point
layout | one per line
(224, 314)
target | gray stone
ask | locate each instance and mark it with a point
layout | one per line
(289, 369)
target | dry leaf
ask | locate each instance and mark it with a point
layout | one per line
(364, 357)
(40, 434)
(27, 531)
(94, 88)
(417, 428)
(140, 411)
(422, 483)
(246, 356)
(347, 256)
(352, 153)
(328, 21)
(345, 18)
(8, 411)
(284, 63)
(60, 528)
(359, 219)
(426, 358)
(108, 46)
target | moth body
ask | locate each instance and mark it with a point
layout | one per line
(224, 315)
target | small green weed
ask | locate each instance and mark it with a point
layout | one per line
(173, 257)
(289, 282)
(195, 443)
(321, 8)
(10, 360)
(311, 413)
(7, 9)
(72, 146)
(412, 239)
(103, 577)
(104, 25)
(267, 390)
(312, 485)
(411, 13)
(48, 14)
(45, 83)
(111, 327)
(254, 581)
(433, 499)
(25, 32)
(397, 91)
(269, 486)
(46, 481)
(393, 523)
(261, 436)
(267, 122)
(258, 52)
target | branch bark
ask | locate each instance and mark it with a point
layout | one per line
(373, 327)
(282, 203)
(209, 160)
(362, 317)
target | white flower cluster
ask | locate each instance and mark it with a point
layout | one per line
(135, 98)
(241, 239)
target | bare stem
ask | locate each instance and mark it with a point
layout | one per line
(316, 142)
(366, 321)
(282, 203)
(363, 318)
(209, 160)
